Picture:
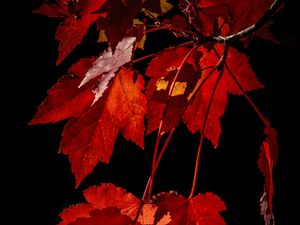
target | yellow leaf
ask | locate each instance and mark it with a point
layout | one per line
(162, 84)
(102, 36)
(150, 14)
(179, 88)
(141, 44)
(137, 22)
(165, 6)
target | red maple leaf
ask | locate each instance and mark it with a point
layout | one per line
(245, 13)
(105, 199)
(266, 162)
(65, 98)
(79, 17)
(237, 65)
(55, 9)
(102, 197)
(119, 19)
(89, 139)
(162, 70)
(107, 216)
(89, 136)
(201, 209)
(152, 5)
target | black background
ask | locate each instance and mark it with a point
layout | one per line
(39, 183)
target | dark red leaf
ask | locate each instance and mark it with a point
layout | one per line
(201, 209)
(165, 108)
(79, 17)
(54, 9)
(247, 12)
(111, 203)
(163, 70)
(266, 162)
(152, 5)
(108, 216)
(119, 18)
(208, 15)
(71, 32)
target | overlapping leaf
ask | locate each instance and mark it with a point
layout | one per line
(103, 197)
(89, 136)
(107, 216)
(79, 16)
(108, 201)
(238, 66)
(201, 209)
(65, 99)
(108, 64)
(89, 139)
(103, 98)
(119, 19)
(163, 70)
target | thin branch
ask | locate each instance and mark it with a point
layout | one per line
(195, 178)
(161, 153)
(149, 185)
(171, 28)
(251, 29)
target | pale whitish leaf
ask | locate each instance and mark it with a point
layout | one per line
(108, 64)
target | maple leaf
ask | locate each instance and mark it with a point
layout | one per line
(106, 197)
(119, 19)
(108, 216)
(263, 32)
(55, 9)
(152, 5)
(108, 64)
(101, 197)
(208, 15)
(245, 13)
(162, 70)
(79, 17)
(201, 209)
(65, 99)
(237, 64)
(89, 138)
(266, 162)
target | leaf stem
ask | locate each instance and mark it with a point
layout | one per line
(220, 65)
(258, 112)
(149, 186)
